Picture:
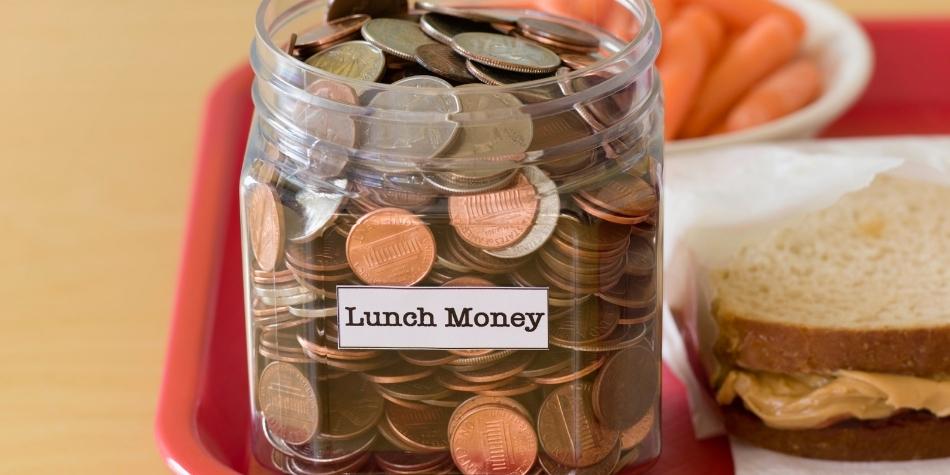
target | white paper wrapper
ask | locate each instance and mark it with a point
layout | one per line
(717, 201)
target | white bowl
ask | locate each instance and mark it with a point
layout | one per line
(844, 53)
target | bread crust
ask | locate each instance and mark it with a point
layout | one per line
(907, 436)
(788, 348)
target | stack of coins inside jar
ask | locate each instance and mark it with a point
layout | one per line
(455, 175)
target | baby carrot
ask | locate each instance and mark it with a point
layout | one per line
(766, 46)
(787, 90)
(664, 11)
(741, 14)
(687, 54)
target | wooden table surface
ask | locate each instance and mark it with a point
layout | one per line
(100, 107)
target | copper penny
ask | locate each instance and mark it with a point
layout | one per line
(569, 431)
(635, 434)
(591, 322)
(496, 220)
(354, 407)
(641, 257)
(468, 282)
(288, 403)
(419, 390)
(558, 32)
(548, 362)
(475, 402)
(390, 247)
(443, 61)
(494, 440)
(320, 255)
(604, 467)
(511, 388)
(331, 32)
(453, 382)
(580, 366)
(393, 460)
(632, 292)
(579, 61)
(504, 369)
(593, 236)
(397, 373)
(606, 215)
(265, 223)
(427, 358)
(625, 195)
(424, 430)
(554, 45)
(373, 8)
(626, 387)
(623, 337)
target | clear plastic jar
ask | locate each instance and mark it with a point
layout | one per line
(514, 233)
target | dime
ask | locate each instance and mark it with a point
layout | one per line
(403, 137)
(626, 387)
(558, 31)
(441, 60)
(569, 431)
(443, 28)
(423, 430)
(354, 408)
(399, 38)
(265, 218)
(390, 247)
(496, 220)
(329, 33)
(548, 213)
(498, 77)
(494, 439)
(635, 434)
(505, 52)
(332, 127)
(317, 210)
(373, 8)
(354, 59)
(288, 403)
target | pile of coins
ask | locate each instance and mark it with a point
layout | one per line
(582, 223)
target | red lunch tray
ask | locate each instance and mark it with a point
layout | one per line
(203, 420)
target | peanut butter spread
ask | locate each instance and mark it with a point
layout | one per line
(799, 401)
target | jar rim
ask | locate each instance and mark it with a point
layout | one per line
(648, 28)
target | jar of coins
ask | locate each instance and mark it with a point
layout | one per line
(451, 225)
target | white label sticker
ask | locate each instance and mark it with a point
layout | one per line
(443, 318)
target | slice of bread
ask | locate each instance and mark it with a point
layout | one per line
(863, 285)
(906, 436)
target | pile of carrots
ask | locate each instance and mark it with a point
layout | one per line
(730, 65)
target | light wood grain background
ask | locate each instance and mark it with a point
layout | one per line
(99, 107)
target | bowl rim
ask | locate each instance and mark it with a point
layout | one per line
(834, 101)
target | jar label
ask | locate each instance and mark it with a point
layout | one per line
(443, 318)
